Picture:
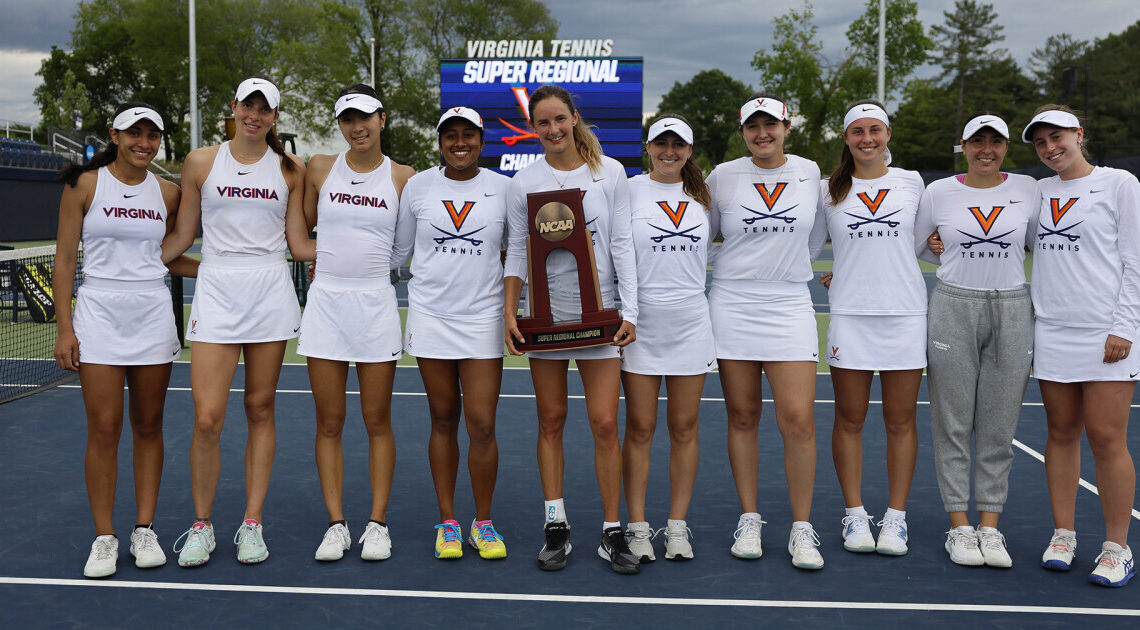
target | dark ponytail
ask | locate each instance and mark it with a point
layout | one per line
(271, 138)
(70, 173)
(839, 183)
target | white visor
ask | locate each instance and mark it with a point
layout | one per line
(674, 125)
(865, 110)
(977, 124)
(466, 113)
(268, 90)
(774, 108)
(362, 103)
(128, 117)
(1054, 117)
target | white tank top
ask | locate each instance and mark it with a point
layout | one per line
(356, 221)
(123, 230)
(243, 206)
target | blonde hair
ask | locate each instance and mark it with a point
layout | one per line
(584, 139)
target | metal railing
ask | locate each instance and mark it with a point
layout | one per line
(22, 128)
(76, 152)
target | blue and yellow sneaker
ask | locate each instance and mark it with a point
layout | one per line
(448, 540)
(488, 542)
(251, 547)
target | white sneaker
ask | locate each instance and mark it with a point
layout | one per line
(639, 537)
(857, 534)
(1114, 565)
(337, 540)
(962, 545)
(200, 543)
(992, 545)
(803, 546)
(747, 536)
(1062, 549)
(892, 536)
(104, 557)
(377, 543)
(677, 535)
(145, 548)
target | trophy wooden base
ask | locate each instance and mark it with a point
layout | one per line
(594, 329)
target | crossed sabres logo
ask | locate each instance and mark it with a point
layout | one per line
(457, 219)
(872, 207)
(770, 197)
(1058, 212)
(675, 216)
(986, 221)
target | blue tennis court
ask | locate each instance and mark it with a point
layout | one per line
(49, 532)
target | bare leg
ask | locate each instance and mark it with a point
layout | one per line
(262, 369)
(1063, 404)
(793, 393)
(481, 379)
(743, 400)
(328, 380)
(549, 378)
(103, 398)
(601, 379)
(852, 393)
(1106, 407)
(441, 382)
(147, 400)
(684, 404)
(640, 423)
(900, 408)
(212, 367)
(376, 407)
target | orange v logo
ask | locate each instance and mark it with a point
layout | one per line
(770, 198)
(873, 204)
(458, 217)
(984, 220)
(1058, 210)
(674, 216)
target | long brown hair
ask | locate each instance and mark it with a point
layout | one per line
(70, 173)
(692, 179)
(584, 139)
(271, 138)
(839, 183)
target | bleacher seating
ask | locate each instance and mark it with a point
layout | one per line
(22, 153)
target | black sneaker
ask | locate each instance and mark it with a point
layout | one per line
(557, 547)
(616, 551)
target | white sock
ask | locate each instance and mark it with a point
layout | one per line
(855, 511)
(555, 511)
(1060, 531)
(608, 524)
(801, 525)
(675, 523)
(987, 529)
(750, 515)
(893, 513)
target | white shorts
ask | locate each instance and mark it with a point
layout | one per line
(1066, 354)
(435, 337)
(673, 340)
(244, 299)
(568, 306)
(763, 321)
(351, 319)
(125, 323)
(877, 342)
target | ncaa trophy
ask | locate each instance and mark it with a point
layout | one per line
(557, 221)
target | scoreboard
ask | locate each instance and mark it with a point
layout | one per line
(606, 90)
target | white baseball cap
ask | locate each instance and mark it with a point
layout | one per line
(773, 107)
(976, 124)
(362, 103)
(670, 124)
(466, 113)
(128, 117)
(268, 90)
(1054, 117)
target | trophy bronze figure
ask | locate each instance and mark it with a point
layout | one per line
(557, 221)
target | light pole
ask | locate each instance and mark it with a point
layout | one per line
(372, 59)
(882, 51)
(195, 131)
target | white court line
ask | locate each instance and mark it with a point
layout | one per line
(577, 599)
(1084, 484)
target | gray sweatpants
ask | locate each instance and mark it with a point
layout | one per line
(979, 351)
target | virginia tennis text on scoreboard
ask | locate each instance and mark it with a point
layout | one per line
(537, 48)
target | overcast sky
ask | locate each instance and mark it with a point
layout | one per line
(677, 38)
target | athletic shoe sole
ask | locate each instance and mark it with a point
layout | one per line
(1100, 580)
(255, 560)
(860, 548)
(1056, 565)
(555, 564)
(891, 552)
(624, 570)
(193, 563)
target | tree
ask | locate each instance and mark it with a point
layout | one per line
(711, 102)
(1049, 61)
(818, 90)
(72, 107)
(1114, 119)
(965, 42)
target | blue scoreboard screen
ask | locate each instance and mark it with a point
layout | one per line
(607, 92)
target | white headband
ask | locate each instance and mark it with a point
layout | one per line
(268, 90)
(993, 122)
(1054, 117)
(669, 124)
(773, 107)
(360, 102)
(865, 110)
(128, 117)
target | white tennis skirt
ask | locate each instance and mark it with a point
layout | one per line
(244, 299)
(763, 321)
(351, 319)
(672, 339)
(125, 323)
(877, 342)
(436, 337)
(1066, 354)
